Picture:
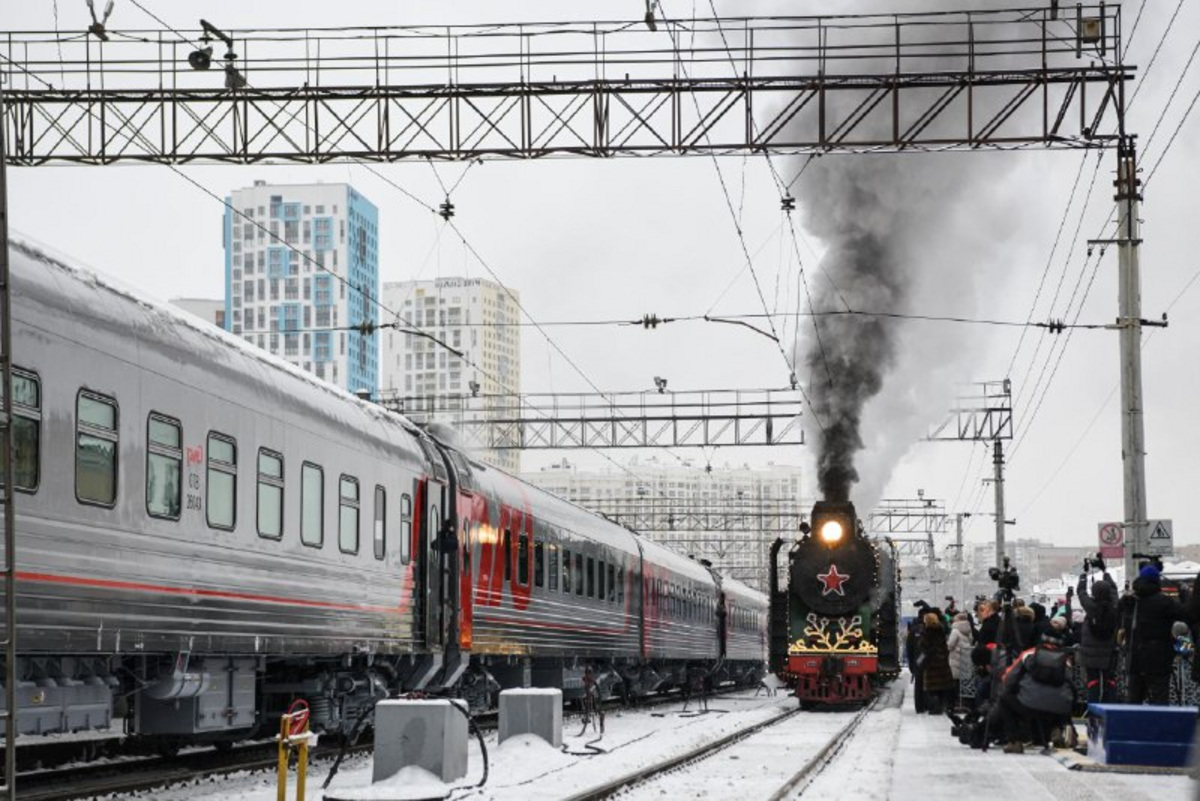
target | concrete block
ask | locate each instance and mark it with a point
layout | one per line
(426, 734)
(532, 711)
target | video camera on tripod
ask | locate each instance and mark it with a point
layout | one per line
(1008, 581)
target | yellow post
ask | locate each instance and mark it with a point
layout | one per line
(302, 764)
(285, 723)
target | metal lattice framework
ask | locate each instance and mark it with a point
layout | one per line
(983, 413)
(908, 516)
(856, 83)
(702, 418)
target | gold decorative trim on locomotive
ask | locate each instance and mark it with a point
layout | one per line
(821, 637)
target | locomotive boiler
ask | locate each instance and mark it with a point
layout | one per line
(834, 635)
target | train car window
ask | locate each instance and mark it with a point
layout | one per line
(26, 430)
(506, 545)
(380, 522)
(523, 558)
(96, 449)
(579, 574)
(312, 505)
(600, 579)
(566, 571)
(164, 466)
(612, 584)
(405, 528)
(553, 571)
(539, 565)
(270, 494)
(590, 577)
(348, 514)
(621, 586)
(221, 481)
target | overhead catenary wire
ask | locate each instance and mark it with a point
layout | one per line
(375, 301)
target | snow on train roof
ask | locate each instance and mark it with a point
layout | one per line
(89, 277)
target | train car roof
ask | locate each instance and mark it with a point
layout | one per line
(580, 520)
(160, 330)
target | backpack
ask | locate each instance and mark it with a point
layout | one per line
(1104, 624)
(1048, 667)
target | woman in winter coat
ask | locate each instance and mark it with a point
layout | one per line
(959, 647)
(1098, 637)
(935, 670)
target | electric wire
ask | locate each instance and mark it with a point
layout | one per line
(374, 300)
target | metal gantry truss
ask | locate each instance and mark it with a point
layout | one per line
(983, 412)
(701, 418)
(911, 524)
(694, 526)
(853, 83)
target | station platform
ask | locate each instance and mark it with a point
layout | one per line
(899, 755)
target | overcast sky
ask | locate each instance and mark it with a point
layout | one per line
(621, 238)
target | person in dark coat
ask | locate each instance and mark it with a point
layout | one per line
(1023, 625)
(912, 646)
(1041, 622)
(1098, 636)
(1151, 646)
(935, 670)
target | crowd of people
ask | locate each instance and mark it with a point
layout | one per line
(1006, 671)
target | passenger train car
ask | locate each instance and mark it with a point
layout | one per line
(205, 533)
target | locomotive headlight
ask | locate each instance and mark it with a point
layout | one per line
(831, 531)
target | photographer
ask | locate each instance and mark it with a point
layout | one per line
(1098, 646)
(1038, 693)
(1151, 646)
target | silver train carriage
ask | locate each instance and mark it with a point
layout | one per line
(205, 532)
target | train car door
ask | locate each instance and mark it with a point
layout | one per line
(432, 563)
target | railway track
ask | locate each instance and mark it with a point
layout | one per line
(132, 773)
(645, 781)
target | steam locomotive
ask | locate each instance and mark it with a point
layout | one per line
(834, 629)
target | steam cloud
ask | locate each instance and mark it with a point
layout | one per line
(901, 231)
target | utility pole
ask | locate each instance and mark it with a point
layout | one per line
(998, 480)
(960, 584)
(1133, 434)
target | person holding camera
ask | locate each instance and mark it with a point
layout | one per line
(1151, 646)
(1098, 636)
(1038, 694)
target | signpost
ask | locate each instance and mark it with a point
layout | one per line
(1161, 541)
(1112, 540)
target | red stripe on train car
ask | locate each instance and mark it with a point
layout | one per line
(110, 584)
(540, 624)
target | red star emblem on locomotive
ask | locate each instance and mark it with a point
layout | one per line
(833, 581)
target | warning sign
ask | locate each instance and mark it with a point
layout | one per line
(1112, 540)
(1161, 537)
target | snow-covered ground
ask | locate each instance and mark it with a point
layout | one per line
(895, 754)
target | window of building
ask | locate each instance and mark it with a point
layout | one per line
(348, 514)
(221, 481)
(270, 494)
(312, 505)
(96, 449)
(164, 467)
(406, 517)
(26, 430)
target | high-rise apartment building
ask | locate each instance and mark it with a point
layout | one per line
(302, 267)
(474, 316)
(727, 515)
